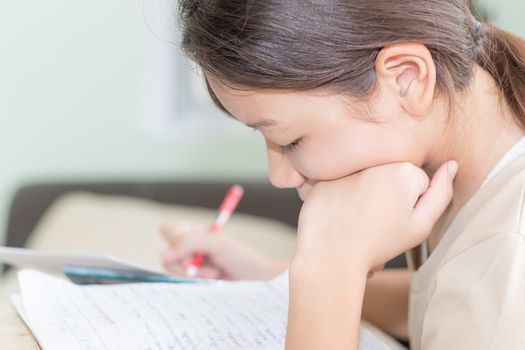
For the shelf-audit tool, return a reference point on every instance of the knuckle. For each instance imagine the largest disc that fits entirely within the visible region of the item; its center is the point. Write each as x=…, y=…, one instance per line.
x=402, y=172
x=405, y=169
x=421, y=231
x=419, y=178
x=424, y=228
x=409, y=179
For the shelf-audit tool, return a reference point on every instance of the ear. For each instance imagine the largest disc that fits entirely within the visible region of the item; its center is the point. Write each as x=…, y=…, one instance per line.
x=408, y=71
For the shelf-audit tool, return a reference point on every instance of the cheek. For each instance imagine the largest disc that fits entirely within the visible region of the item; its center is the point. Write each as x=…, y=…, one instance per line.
x=329, y=161
x=344, y=156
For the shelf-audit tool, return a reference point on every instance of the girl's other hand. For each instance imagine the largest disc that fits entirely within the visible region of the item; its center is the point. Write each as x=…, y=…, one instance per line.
x=227, y=258
x=372, y=216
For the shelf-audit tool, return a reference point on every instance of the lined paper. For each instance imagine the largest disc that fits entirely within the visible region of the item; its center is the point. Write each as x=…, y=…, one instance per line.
x=224, y=315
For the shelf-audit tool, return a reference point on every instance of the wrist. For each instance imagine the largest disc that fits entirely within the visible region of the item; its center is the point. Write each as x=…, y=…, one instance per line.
x=321, y=247
x=308, y=266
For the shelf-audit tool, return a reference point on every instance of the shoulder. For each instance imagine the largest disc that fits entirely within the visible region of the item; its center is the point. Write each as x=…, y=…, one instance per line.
x=498, y=211
x=477, y=301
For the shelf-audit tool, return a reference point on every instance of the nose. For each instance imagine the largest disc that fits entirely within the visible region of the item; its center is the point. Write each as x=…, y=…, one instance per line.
x=281, y=171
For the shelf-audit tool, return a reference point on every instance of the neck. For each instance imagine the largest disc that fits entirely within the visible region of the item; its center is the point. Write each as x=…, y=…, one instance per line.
x=477, y=136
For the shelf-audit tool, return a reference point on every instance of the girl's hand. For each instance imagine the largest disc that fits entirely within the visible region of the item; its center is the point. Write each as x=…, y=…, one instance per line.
x=227, y=258
x=372, y=216
x=346, y=228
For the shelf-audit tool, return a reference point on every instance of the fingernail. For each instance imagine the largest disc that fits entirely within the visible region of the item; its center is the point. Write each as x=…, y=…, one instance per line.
x=452, y=168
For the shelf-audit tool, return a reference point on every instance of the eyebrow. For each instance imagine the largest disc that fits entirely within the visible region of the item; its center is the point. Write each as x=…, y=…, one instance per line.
x=258, y=125
x=262, y=124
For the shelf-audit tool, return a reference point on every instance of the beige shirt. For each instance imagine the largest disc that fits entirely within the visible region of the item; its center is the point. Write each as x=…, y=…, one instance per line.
x=470, y=293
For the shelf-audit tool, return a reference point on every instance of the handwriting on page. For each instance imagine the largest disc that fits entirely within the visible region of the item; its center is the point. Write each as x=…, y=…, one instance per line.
x=226, y=315
x=242, y=315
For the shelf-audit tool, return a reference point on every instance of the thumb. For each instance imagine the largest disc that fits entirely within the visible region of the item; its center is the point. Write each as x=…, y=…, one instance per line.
x=173, y=232
x=436, y=198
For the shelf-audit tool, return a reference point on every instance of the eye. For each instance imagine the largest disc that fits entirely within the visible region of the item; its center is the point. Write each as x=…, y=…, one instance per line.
x=291, y=146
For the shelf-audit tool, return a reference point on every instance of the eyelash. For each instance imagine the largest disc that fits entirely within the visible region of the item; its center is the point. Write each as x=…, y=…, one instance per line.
x=292, y=146
x=288, y=148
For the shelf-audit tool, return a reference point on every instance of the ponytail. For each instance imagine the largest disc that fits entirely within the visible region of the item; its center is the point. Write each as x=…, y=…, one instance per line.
x=502, y=54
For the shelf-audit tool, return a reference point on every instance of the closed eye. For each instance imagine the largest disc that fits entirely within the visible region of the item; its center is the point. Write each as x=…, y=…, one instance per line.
x=291, y=146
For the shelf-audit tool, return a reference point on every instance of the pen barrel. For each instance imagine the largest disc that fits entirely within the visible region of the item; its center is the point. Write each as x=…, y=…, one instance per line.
x=232, y=199
x=226, y=209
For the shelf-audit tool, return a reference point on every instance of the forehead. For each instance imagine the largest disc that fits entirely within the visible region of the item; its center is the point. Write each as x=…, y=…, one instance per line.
x=271, y=103
x=239, y=101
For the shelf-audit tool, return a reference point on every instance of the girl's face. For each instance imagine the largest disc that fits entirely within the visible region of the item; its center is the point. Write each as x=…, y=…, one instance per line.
x=314, y=137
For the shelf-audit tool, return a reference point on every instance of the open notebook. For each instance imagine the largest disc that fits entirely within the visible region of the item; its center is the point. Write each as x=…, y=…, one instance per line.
x=222, y=315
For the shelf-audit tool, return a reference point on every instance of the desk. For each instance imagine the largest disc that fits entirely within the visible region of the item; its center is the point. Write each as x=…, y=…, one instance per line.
x=14, y=335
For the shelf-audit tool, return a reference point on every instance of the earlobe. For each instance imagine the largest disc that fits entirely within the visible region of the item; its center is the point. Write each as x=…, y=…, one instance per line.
x=408, y=71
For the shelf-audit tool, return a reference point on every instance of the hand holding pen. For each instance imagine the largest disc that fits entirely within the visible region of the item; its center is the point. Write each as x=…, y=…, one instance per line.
x=226, y=256
x=226, y=209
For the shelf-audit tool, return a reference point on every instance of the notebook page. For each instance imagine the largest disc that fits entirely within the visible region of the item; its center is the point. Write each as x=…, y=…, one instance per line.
x=226, y=315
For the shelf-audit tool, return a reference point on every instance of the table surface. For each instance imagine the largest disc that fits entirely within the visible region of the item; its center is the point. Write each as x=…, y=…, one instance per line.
x=14, y=335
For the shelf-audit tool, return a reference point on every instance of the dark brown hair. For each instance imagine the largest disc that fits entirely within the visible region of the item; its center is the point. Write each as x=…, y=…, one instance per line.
x=333, y=44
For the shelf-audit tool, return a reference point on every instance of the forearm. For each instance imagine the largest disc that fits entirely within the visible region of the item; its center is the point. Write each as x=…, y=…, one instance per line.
x=386, y=301
x=325, y=307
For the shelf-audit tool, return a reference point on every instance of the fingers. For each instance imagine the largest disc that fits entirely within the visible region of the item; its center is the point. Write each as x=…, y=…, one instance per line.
x=436, y=198
x=174, y=231
x=185, y=240
x=173, y=264
x=179, y=266
x=207, y=271
x=206, y=243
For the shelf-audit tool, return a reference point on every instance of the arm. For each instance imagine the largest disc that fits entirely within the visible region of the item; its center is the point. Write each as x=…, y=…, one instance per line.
x=348, y=227
x=325, y=306
x=386, y=301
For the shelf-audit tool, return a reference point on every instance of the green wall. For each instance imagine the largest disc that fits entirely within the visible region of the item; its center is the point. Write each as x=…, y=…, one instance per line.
x=507, y=14
x=70, y=79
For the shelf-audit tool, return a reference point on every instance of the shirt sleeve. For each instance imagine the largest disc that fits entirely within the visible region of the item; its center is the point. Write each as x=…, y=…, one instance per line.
x=479, y=299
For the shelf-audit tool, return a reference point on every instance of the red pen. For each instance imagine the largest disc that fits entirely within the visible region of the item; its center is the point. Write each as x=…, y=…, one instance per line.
x=228, y=205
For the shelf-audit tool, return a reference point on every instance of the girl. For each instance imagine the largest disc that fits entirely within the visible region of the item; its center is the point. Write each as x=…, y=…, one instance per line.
x=368, y=108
